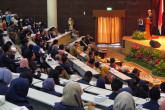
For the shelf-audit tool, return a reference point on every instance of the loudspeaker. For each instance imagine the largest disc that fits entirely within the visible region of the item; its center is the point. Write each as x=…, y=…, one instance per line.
x=155, y=44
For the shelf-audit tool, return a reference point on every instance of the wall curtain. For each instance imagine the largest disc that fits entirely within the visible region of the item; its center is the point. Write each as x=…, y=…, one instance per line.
x=109, y=30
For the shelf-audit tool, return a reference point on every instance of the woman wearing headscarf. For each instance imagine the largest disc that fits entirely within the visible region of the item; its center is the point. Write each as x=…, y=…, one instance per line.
x=30, y=29
x=18, y=91
x=104, y=74
x=5, y=79
x=37, y=52
x=162, y=106
x=123, y=101
x=24, y=66
x=47, y=37
x=71, y=99
x=48, y=87
x=100, y=83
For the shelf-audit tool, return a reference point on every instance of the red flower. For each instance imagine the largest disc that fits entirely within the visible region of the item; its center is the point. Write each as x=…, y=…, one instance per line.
x=136, y=47
x=149, y=57
x=157, y=61
x=163, y=53
x=139, y=55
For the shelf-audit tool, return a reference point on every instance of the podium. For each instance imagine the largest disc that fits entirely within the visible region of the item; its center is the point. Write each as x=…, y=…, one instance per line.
x=148, y=23
x=148, y=34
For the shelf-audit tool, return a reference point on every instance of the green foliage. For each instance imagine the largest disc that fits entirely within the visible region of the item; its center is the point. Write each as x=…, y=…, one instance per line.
x=151, y=60
x=138, y=35
x=159, y=69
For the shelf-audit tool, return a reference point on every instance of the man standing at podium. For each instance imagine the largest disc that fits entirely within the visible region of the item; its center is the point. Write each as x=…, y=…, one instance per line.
x=151, y=19
x=150, y=15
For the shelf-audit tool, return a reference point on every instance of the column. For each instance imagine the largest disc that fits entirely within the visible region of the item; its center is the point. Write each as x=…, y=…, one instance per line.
x=52, y=13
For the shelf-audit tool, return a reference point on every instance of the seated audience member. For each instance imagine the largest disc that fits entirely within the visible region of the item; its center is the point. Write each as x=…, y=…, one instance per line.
x=31, y=57
x=58, y=58
x=48, y=86
x=135, y=75
x=52, y=32
x=75, y=34
x=101, y=83
x=97, y=67
x=116, y=86
x=6, y=60
x=37, y=52
x=134, y=87
x=53, y=73
x=27, y=75
x=87, y=39
x=104, y=74
x=34, y=29
x=24, y=66
x=82, y=42
x=87, y=78
x=74, y=50
x=11, y=32
x=91, y=54
x=70, y=45
x=112, y=63
x=18, y=91
x=30, y=29
x=24, y=34
x=1, y=38
x=85, y=50
x=5, y=79
x=42, y=44
x=123, y=101
x=47, y=37
x=92, y=62
x=162, y=106
x=62, y=51
x=28, y=49
x=42, y=35
x=71, y=99
x=154, y=94
x=55, y=43
x=97, y=57
x=125, y=70
x=24, y=45
x=162, y=87
x=62, y=72
x=143, y=89
x=54, y=50
x=66, y=66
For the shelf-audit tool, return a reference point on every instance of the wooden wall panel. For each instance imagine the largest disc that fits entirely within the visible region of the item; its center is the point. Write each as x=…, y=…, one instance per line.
x=74, y=8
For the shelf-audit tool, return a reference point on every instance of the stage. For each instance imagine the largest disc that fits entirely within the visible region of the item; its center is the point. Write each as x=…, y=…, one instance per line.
x=128, y=42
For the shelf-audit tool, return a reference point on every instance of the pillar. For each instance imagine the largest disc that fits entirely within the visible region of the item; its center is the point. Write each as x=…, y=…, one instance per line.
x=52, y=13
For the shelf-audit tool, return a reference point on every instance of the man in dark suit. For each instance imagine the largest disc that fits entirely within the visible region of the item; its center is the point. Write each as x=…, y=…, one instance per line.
x=150, y=15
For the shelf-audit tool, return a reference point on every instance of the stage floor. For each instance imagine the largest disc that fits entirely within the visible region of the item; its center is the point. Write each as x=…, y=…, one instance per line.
x=128, y=43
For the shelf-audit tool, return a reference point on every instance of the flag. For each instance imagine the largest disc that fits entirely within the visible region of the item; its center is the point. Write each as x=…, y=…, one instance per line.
x=161, y=10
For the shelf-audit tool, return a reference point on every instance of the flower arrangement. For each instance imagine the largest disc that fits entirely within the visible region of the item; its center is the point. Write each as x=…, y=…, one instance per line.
x=153, y=60
x=138, y=35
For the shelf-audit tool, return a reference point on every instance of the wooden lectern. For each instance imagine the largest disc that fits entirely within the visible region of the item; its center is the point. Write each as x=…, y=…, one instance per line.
x=147, y=29
x=148, y=23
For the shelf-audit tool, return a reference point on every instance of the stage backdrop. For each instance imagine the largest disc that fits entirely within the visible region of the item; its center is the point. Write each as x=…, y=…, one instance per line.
x=109, y=29
x=109, y=26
